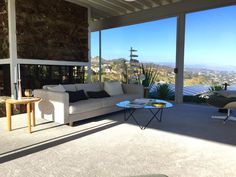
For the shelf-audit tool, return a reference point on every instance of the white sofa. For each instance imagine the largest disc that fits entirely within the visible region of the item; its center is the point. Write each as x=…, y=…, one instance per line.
x=55, y=106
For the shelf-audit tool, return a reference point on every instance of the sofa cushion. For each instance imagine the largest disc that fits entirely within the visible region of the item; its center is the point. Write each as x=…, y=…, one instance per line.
x=84, y=106
x=113, y=88
x=93, y=87
x=99, y=94
x=77, y=96
x=70, y=87
x=57, y=88
x=111, y=101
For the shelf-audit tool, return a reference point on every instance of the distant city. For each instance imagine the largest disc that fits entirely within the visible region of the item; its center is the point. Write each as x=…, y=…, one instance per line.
x=193, y=75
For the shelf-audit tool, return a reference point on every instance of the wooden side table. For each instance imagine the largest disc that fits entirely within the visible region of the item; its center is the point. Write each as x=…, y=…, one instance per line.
x=30, y=104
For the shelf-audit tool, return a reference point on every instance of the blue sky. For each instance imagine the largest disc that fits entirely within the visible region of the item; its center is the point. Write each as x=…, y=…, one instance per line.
x=210, y=39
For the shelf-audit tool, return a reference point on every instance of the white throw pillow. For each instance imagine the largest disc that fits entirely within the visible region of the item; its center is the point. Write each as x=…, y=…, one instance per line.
x=58, y=88
x=113, y=88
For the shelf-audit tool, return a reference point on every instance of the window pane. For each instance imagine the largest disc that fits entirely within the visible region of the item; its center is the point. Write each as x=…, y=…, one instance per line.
x=35, y=76
x=95, y=56
x=153, y=44
x=210, y=50
x=5, y=80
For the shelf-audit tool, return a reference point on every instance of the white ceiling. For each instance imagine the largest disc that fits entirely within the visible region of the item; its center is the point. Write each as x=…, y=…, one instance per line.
x=102, y=9
x=107, y=14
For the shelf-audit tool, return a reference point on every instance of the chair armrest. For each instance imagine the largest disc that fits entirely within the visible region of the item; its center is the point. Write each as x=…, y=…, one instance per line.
x=133, y=89
x=53, y=106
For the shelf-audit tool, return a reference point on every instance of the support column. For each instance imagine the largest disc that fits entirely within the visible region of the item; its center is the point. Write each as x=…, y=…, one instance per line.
x=12, y=41
x=89, y=45
x=179, y=70
x=100, y=56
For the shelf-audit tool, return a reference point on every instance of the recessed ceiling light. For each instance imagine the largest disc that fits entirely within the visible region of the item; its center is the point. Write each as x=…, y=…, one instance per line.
x=129, y=0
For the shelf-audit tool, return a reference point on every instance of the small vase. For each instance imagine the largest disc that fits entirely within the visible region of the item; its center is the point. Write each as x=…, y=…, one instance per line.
x=19, y=90
x=28, y=93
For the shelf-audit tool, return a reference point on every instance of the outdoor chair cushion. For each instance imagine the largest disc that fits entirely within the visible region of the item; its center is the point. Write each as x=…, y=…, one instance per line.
x=219, y=100
x=227, y=93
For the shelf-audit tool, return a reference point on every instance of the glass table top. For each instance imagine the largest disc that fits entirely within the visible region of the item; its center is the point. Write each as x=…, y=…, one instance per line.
x=146, y=104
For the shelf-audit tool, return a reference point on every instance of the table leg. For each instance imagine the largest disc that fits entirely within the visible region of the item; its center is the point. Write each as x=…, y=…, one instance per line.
x=8, y=111
x=154, y=115
x=130, y=113
x=29, y=117
x=33, y=113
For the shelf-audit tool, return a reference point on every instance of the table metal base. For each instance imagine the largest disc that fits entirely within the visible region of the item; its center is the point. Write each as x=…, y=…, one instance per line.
x=129, y=112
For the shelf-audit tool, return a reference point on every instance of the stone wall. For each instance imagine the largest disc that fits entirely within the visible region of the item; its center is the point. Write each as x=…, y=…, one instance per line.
x=51, y=30
x=4, y=44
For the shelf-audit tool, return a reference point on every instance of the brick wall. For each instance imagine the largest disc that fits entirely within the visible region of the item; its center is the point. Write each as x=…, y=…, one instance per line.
x=4, y=44
x=52, y=30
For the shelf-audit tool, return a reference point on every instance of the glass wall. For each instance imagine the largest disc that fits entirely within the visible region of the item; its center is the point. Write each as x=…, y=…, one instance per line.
x=35, y=76
x=129, y=51
x=5, y=87
x=210, y=51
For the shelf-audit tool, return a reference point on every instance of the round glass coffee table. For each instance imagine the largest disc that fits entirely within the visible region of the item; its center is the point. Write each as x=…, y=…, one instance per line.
x=155, y=106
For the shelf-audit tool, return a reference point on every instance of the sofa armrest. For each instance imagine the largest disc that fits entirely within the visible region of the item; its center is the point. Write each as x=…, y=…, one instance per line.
x=133, y=89
x=54, y=106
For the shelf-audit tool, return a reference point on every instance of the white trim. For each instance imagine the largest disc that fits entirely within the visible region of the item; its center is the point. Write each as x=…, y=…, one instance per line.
x=180, y=40
x=100, y=55
x=89, y=46
x=12, y=41
x=5, y=61
x=51, y=62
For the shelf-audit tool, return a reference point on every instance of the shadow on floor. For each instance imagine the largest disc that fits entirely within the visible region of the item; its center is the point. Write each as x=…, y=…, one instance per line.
x=20, y=152
x=189, y=120
x=38, y=124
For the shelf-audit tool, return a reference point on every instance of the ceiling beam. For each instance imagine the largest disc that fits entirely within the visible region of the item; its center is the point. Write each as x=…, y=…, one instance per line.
x=108, y=5
x=96, y=14
x=165, y=2
x=117, y=4
x=146, y=3
x=137, y=4
x=156, y=13
x=98, y=6
x=154, y=3
x=130, y=4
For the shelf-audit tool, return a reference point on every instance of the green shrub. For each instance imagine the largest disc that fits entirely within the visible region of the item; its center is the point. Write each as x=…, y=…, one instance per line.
x=216, y=88
x=150, y=76
x=162, y=91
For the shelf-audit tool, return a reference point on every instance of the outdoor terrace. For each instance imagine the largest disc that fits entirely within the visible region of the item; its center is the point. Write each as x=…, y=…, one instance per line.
x=186, y=143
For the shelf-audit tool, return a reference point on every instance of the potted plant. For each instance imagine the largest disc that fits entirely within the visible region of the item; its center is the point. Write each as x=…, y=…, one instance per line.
x=147, y=78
